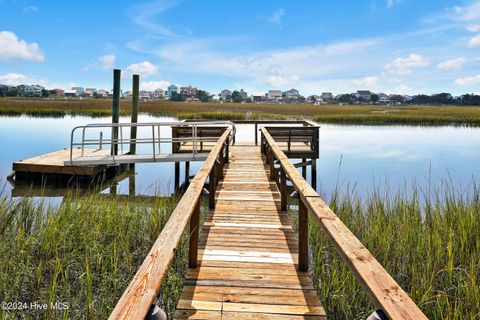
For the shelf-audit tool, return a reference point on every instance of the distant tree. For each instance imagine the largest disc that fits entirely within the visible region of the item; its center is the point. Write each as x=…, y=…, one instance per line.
x=347, y=98
x=203, y=96
x=45, y=93
x=301, y=99
x=374, y=98
x=397, y=99
x=177, y=97
x=441, y=98
x=236, y=96
x=421, y=99
x=13, y=92
x=249, y=100
x=469, y=99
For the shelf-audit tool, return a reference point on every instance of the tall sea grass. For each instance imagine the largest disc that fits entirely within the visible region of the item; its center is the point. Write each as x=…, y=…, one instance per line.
x=83, y=253
x=428, y=240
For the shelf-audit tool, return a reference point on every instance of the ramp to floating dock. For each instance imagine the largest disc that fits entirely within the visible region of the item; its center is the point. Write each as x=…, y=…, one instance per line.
x=248, y=252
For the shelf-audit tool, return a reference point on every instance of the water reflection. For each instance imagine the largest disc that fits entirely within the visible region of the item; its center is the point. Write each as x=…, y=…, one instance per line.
x=369, y=155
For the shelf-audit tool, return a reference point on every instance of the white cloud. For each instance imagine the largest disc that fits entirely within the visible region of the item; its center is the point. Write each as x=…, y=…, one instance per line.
x=282, y=80
x=474, y=41
x=453, y=64
x=15, y=79
x=153, y=85
x=473, y=28
x=366, y=82
x=146, y=16
x=12, y=48
x=30, y=9
x=403, y=66
x=389, y=3
x=469, y=81
x=145, y=69
x=277, y=16
x=469, y=12
x=107, y=61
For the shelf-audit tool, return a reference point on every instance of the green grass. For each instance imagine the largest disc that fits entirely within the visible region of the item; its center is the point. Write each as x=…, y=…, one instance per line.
x=347, y=114
x=84, y=252
x=428, y=241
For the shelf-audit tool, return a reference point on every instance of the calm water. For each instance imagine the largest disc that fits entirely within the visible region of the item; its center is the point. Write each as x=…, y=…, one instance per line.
x=361, y=155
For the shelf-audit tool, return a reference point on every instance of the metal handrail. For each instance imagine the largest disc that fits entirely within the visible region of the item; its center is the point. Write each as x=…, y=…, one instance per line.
x=153, y=140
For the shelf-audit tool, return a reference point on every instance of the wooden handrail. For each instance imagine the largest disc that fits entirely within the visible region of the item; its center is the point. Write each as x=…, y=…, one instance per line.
x=142, y=290
x=383, y=290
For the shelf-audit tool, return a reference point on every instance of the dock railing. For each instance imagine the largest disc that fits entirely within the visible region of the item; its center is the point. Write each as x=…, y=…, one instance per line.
x=139, y=297
x=155, y=139
x=384, y=292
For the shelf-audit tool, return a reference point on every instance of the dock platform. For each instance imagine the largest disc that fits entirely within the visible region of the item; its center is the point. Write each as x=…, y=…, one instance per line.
x=51, y=167
x=248, y=252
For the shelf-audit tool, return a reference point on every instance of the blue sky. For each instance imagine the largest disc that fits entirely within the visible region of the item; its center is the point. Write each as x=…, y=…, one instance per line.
x=393, y=46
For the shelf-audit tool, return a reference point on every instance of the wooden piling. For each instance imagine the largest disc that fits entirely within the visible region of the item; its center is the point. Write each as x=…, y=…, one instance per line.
x=134, y=119
x=283, y=190
x=304, y=169
x=115, y=109
x=177, y=175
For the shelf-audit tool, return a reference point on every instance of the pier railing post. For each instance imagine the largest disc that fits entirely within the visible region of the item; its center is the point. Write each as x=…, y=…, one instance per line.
x=211, y=186
x=115, y=109
x=283, y=189
x=134, y=119
x=271, y=162
x=256, y=133
x=302, y=236
x=193, y=245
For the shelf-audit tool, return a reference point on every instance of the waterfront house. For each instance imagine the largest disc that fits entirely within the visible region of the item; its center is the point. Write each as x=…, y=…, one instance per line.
x=225, y=95
x=171, y=89
x=275, y=95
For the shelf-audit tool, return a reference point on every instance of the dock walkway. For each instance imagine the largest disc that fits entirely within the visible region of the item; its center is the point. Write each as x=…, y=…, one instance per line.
x=248, y=252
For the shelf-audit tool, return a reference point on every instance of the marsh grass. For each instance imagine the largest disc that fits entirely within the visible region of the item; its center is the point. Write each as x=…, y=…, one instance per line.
x=346, y=114
x=428, y=240
x=83, y=252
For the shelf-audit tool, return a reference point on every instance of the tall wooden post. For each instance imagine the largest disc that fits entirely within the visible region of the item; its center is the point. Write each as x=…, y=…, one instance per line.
x=314, y=174
x=283, y=190
x=115, y=109
x=187, y=173
x=177, y=175
x=302, y=236
x=134, y=119
x=194, y=225
x=304, y=169
x=212, y=187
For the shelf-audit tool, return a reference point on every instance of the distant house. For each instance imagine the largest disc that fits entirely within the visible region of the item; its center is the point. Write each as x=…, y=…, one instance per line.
x=30, y=90
x=274, y=95
x=364, y=94
x=101, y=94
x=291, y=94
x=79, y=90
x=258, y=96
x=159, y=93
x=127, y=94
x=145, y=95
x=59, y=92
x=313, y=98
x=70, y=93
x=188, y=92
x=225, y=95
x=383, y=98
x=171, y=89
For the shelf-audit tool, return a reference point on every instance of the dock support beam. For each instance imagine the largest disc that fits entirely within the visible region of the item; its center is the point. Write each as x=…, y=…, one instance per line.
x=194, y=226
x=304, y=169
x=115, y=109
x=134, y=119
x=187, y=173
x=302, y=236
x=212, y=187
x=177, y=175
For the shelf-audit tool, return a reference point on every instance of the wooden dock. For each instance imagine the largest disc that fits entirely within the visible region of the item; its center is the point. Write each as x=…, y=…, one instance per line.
x=246, y=262
x=248, y=252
